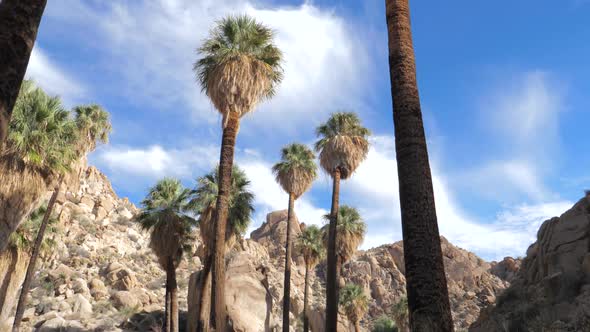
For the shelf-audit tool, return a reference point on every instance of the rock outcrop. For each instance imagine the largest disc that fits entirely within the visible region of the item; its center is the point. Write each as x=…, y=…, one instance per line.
x=551, y=290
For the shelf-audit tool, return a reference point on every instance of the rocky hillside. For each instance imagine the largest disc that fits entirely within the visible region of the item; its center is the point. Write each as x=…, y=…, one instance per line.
x=102, y=276
x=551, y=291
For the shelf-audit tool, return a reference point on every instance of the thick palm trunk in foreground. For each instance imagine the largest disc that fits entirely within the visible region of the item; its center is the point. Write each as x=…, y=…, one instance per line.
x=428, y=300
x=22, y=300
x=287, y=280
x=332, y=277
x=305, y=300
x=226, y=160
x=19, y=22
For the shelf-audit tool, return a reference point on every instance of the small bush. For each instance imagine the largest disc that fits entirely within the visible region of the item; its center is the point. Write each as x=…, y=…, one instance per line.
x=384, y=324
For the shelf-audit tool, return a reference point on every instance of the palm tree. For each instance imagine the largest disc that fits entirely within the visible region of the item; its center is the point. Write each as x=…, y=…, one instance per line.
x=343, y=145
x=400, y=314
x=350, y=234
x=355, y=304
x=93, y=124
x=428, y=298
x=239, y=67
x=40, y=146
x=203, y=202
x=19, y=22
x=295, y=173
x=164, y=216
x=310, y=245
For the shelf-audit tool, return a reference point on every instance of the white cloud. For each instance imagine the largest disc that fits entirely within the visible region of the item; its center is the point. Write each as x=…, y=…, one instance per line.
x=52, y=78
x=152, y=44
x=374, y=189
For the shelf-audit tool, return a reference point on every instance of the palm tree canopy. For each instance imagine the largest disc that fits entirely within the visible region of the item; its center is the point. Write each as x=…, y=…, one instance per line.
x=354, y=302
x=26, y=233
x=42, y=132
x=351, y=231
x=164, y=215
x=297, y=169
x=239, y=65
x=343, y=143
x=311, y=245
x=241, y=200
x=93, y=123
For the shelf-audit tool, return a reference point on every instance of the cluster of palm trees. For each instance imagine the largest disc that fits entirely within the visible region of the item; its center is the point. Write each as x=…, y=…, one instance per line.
x=240, y=66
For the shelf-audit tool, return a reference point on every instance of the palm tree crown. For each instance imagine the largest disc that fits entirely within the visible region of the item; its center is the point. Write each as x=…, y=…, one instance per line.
x=354, y=302
x=296, y=170
x=93, y=123
x=240, y=64
x=351, y=231
x=343, y=143
x=164, y=215
x=41, y=132
x=310, y=244
x=241, y=200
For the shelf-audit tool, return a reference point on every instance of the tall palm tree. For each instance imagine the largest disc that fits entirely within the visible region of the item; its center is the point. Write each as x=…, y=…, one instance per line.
x=342, y=146
x=239, y=67
x=309, y=244
x=40, y=146
x=164, y=215
x=94, y=125
x=19, y=22
x=428, y=298
x=355, y=304
x=350, y=234
x=295, y=173
x=203, y=202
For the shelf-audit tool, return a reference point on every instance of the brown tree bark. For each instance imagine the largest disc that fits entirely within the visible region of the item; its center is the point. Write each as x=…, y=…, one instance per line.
x=357, y=326
x=167, y=309
x=19, y=22
x=172, y=290
x=22, y=300
x=305, y=300
x=428, y=300
x=287, y=280
x=204, y=302
x=332, y=286
x=226, y=160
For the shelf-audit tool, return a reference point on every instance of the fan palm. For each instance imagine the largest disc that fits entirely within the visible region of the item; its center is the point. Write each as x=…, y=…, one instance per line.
x=428, y=297
x=342, y=146
x=355, y=304
x=239, y=67
x=164, y=216
x=41, y=144
x=310, y=245
x=203, y=203
x=350, y=234
x=19, y=22
x=93, y=124
x=295, y=173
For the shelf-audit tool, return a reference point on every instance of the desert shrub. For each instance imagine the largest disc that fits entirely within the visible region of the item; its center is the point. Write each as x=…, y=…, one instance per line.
x=384, y=324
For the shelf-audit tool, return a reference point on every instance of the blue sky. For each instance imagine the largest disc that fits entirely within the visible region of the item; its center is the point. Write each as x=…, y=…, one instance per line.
x=502, y=85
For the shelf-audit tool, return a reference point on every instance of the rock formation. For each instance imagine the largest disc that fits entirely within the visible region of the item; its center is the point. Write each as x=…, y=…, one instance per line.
x=551, y=290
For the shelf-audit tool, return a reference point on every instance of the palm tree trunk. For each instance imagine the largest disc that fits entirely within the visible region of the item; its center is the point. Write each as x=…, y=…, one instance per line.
x=305, y=300
x=332, y=277
x=19, y=22
x=287, y=280
x=22, y=300
x=204, y=303
x=167, y=308
x=357, y=326
x=172, y=290
x=226, y=160
x=428, y=300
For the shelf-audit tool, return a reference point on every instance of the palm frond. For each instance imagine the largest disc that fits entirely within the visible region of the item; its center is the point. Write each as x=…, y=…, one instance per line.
x=297, y=169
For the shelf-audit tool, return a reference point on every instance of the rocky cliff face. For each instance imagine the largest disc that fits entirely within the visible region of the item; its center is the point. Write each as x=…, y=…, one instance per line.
x=551, y=290
x=102, y=275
